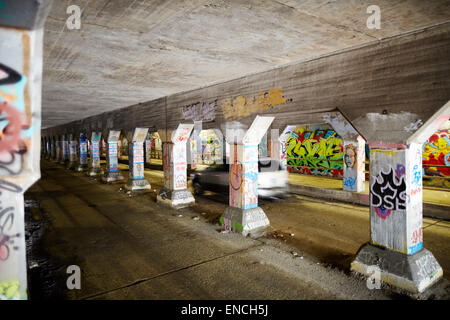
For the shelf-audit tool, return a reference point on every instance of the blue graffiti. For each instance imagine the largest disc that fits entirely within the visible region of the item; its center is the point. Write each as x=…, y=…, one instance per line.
x=417, y=179
x=350, y=182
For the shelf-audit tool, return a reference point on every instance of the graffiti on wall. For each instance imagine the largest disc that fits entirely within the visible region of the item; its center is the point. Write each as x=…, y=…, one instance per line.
x=250, y=185
x=179, y=166
x=236, y=178
x=317, y=151
x=388, y=192
x=83, y=149
x=113, y=157
x=205, y=111
x=12, y=120
x=241, y=106
x=137, y=161
x=436, y=151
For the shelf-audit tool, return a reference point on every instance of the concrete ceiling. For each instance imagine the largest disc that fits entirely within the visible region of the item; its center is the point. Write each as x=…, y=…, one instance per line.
x=131, y=51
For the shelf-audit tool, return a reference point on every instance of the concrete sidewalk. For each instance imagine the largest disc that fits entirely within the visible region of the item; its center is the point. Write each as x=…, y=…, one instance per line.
x=436, y=202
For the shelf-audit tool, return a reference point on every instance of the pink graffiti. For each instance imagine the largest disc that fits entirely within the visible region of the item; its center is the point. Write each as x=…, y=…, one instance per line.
x=10, y=136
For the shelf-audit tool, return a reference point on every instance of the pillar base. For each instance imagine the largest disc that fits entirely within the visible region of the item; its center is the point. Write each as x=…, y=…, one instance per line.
x=175, y=198
x=137, y=184
x=95, y=172
x=71, y=165
x=245, y=221
x=111, y=177
x=82, y=167
x=413, y=273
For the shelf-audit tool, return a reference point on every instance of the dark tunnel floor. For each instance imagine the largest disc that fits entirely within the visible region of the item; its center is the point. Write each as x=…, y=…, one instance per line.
x=129, y=247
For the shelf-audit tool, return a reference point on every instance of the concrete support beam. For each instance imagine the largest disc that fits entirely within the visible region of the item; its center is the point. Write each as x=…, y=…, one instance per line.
x=279, y=147
x=95, y=169
x=71, y=165
x=136, y=180
x=396, y=245
x=243, y=214
x=48, y=148
x=58, y=151
x=175, y=192
x=354, y=165
x=20, y=106
x=148, y=148
x=112, y=173
x=53, y=149
x=65, y=149
x=83, y=148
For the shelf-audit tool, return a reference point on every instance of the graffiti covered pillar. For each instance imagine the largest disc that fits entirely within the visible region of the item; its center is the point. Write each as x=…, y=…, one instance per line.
x=354, y=165
x=58, y=152
x=71, y=165
x=279, y=147
x=53, y=148
x=148, y=148
x=243, y=214
x=20, y=107
x=136, y=180
x=175, y=192
x=65, y=149
x=48, y=148
x=396, y=221
x=112, y=173
x=83, y=148
x=96, y=168
x=396, y=204
x=353, y=149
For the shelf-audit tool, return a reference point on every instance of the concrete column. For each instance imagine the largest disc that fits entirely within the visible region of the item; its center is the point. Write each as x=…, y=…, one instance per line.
x=396, y=245
x=96, y=168
x=243, y=214
x=280, y=148
x=71, y=165
x=48, y=148
x=53, y=149
x=148, y=149
x=43, y=149
x=83, y=148
x=136, y=180
x=112, y=159
x=20, y=104
x=354, y=157
x=354, y=152
x=175, y=192
x=65, y=149
x=58, y=152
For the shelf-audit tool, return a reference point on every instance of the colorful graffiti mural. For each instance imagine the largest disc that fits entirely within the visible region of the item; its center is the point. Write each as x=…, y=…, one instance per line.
x=316, y=150
x=436, y=151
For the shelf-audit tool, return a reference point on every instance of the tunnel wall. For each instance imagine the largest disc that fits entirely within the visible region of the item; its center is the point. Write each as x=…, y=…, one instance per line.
x=398, y=79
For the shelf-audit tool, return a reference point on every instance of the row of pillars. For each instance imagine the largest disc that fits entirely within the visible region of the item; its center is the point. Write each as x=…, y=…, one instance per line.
x=396, y=244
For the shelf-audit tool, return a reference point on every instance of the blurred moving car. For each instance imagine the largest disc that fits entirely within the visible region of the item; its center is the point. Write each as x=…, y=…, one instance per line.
x=272, y=179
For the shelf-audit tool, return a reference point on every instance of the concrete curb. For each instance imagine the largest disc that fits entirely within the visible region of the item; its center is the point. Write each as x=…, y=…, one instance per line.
x=429, y=209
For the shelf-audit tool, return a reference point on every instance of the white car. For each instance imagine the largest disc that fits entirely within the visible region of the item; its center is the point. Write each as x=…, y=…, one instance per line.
x=272, y=179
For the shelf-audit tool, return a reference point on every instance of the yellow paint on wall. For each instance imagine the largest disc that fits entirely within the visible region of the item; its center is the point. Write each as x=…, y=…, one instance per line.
x=242, y=106
x=388, y=152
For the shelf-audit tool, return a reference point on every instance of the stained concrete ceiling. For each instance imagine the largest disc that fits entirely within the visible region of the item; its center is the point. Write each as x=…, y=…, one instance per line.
x=131, y=51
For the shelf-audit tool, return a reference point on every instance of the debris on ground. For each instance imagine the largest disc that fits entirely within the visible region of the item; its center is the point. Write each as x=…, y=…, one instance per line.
x=196, y=218
x=33, y=265
x=294, y=253
x=291, y=234
x=225, y=231
x=177, y=215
